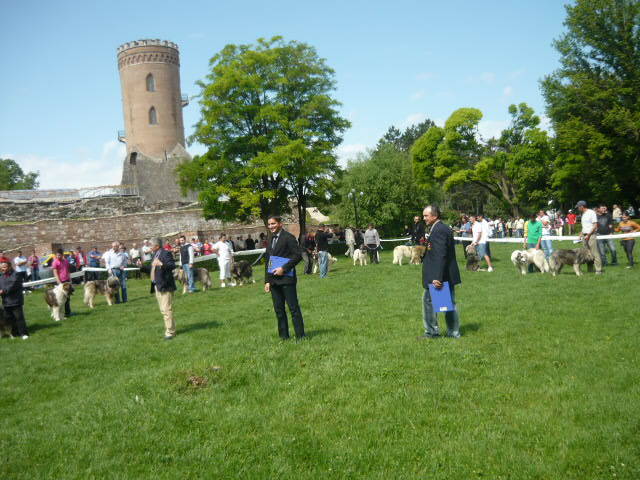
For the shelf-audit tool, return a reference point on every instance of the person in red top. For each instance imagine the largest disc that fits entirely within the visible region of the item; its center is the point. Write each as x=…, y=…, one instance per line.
x=61, y=271
x=571, y=221
x=168, y=247
x=206, y=248
x=81, y=258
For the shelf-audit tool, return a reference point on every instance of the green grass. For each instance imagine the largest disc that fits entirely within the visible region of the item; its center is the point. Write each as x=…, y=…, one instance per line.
x=542, y=385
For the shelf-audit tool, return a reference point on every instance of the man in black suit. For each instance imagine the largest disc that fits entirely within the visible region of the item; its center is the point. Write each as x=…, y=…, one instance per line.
x=439, y=266
x=282, y=286
x=163, y=285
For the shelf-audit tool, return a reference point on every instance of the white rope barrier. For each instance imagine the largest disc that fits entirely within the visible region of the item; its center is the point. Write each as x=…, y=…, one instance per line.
x=573, y=238
x=44, y=281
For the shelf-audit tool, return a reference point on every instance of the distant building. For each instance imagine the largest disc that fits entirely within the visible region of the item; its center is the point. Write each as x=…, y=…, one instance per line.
x=154, y=130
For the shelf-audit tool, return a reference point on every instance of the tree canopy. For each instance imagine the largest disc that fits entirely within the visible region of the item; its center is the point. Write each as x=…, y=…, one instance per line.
x=593, y=101
x=513, y=168
x=270, y=126
x=12, y=177
x=390, y=197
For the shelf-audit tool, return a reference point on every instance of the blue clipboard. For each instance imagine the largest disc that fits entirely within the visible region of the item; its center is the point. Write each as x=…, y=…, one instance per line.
x=441, y=299
x=277, y=262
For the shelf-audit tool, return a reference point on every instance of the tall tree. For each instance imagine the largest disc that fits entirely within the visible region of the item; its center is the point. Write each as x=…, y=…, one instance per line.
x=403, y=141
x=12, y=177
x=513, y=169
x=390, y=197
x=270, y=126
x=593, y=101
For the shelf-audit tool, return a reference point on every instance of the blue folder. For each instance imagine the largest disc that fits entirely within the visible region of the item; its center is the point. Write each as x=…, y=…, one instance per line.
x=441, y=299
x=277, y=262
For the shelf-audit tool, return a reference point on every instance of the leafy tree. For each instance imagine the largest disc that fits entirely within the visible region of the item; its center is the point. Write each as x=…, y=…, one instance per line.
x=593, y=100
x=12, y=177
x=404, y=140
x=513, y=169
x=270, y=126
x=390, y=197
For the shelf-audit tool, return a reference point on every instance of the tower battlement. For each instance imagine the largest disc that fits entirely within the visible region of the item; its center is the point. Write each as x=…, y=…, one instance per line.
x=147, y=42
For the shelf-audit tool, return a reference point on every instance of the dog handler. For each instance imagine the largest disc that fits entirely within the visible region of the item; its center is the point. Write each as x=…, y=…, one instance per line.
x=12, y=298
x=163, y=285
x=225, y=259
x=438, y=266
x=589, y=234
x=281, y=282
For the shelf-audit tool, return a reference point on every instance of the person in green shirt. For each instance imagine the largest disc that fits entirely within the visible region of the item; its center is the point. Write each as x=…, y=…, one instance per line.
x=534, y=236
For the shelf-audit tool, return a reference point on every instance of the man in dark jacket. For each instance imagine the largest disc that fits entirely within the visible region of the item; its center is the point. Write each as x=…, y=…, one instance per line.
x=12, y=298
x=417, y=231
x=282, y=255
x=439, y=266
x=163, y=285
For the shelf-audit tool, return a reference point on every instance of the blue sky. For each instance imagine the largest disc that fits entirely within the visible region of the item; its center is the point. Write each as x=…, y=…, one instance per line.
x=396, y=63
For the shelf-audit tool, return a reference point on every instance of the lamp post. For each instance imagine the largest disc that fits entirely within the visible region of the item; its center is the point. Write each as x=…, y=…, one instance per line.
x=352, y=195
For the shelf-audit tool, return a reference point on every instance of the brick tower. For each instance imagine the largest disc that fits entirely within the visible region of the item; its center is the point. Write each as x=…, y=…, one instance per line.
x=154, y=131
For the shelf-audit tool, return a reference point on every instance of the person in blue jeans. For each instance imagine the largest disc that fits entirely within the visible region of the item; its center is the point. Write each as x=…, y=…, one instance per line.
x=322, y=244
x=116, y=260
x=186, y=261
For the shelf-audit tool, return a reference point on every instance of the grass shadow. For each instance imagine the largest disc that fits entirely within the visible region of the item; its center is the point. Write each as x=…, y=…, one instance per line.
x=199, y=326
x=41, y=326
x=322, y=331
x=469, y=327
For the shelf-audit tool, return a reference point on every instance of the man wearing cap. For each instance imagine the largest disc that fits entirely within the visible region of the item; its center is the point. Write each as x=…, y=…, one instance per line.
x=589, y=233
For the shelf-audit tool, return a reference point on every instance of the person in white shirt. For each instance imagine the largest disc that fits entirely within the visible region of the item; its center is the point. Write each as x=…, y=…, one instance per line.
x=520, y=227
x=134, y=256
x=21, y=268
x=350, y=239
x=546, y=233
x=146, y=251
x=225, y=259
x=115, y=261
x=480, y=233
x=589, y=233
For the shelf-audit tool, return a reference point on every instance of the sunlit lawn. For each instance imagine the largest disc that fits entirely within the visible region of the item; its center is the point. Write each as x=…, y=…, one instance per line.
x=543, y=384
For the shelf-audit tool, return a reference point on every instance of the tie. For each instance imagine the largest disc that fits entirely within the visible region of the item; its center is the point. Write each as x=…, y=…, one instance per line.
x=273, y=242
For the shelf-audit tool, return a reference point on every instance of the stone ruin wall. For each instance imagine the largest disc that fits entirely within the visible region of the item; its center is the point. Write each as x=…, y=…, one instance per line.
x=55, y=231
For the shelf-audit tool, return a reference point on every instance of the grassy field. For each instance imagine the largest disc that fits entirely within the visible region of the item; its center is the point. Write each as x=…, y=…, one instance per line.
x=544, y=383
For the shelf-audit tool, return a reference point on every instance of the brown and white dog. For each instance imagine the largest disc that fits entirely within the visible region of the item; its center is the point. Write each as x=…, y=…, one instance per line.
x=523, y=258
x=108, y=288
x=575, y=257
x=473, y=260
x=242, y=272
x=360, y=255
x=400, y=252
x=56, y=298
x=200, y=275
x=417, y=252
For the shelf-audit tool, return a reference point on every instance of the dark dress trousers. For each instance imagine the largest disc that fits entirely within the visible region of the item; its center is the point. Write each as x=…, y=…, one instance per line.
x=283, y=288
x=12, y=301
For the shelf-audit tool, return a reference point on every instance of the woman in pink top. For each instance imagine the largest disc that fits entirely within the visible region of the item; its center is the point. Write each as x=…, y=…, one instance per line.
x=60, y=267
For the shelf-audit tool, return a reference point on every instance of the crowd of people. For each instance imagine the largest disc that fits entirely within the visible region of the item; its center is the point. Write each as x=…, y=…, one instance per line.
x=536, y=232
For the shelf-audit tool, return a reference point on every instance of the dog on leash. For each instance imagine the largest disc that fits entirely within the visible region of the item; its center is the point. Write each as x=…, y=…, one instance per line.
x=417, y=252
x=473, y=260
x=575, y=257
x=108, y=288
x=200, y=275
x=523, y=258
x=316, y=262
x=400, y=252
x=242, y=272
x=360, y=255
x=56, y=298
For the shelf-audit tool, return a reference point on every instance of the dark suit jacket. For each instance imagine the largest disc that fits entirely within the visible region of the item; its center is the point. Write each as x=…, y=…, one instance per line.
x=163, y=276
x=287, y=246
x=439, y=261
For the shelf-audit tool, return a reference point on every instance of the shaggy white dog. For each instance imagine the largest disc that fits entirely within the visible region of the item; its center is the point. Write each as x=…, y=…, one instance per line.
x=360, y=255
x=400, y=252
x=56, y=298
x=523, y=258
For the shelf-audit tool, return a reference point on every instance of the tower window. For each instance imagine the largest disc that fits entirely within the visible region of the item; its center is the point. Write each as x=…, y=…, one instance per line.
x=153, y=116
x=133, y=157
x=151, y=83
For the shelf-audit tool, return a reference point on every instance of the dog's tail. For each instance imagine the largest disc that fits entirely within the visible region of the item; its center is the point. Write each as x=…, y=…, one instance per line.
x=89, y=291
